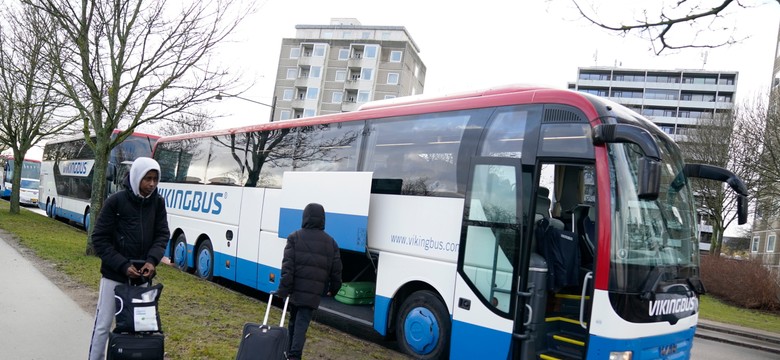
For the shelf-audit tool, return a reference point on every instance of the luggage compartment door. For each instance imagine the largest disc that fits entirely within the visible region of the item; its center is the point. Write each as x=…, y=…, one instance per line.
x=344, y=195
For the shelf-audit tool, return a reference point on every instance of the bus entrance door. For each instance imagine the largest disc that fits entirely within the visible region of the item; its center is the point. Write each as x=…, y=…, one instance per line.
x=487, y=263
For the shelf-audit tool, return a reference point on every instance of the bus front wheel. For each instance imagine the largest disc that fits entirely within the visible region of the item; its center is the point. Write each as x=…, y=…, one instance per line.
x=179, y=252
x=423, y=326
x=204, y=261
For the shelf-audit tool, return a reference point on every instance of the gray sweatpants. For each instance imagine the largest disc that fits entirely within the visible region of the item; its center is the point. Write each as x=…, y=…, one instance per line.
x=104, y=317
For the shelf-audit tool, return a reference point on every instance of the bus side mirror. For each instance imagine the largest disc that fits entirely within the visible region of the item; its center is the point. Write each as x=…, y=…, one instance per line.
x=742, y=209
x=111, y=173
x=649, y=181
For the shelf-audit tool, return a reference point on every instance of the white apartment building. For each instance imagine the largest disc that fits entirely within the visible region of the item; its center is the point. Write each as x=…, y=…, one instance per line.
x=335, y=68
x=673, y=99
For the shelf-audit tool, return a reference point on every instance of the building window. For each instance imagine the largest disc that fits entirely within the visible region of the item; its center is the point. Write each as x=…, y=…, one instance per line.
x=366, y=74
x=327, y=34
x=770, y=243
x=416, y=70
x=365, y=35
x=363, y=96
x=295, y=53
x=319, y=50
x=343, y=54
x=315, y=71
x=389, y=97
x=308, y=112
x=386, y=35
x=338, y=96
x=312, y=93
x=754, y=246
x=370, y=51
x=292, y=73
x=284, y=115
x=395, y=56
x=594, y=76
x=346, y=35
x=392, y=79
x=341, y=75
x=661, y=94
x=597, y=92
x=287, y=95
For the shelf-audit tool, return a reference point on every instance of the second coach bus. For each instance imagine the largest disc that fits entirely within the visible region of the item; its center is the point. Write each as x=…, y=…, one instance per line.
x=67, y=172
x=517, y=222
x=31, y=171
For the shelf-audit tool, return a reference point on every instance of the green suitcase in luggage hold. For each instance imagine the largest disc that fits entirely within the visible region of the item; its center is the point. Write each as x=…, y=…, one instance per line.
x=356, y=293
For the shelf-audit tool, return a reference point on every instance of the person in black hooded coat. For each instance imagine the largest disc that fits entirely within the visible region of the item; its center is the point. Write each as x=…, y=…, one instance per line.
x=311, y=266
x=132, y=225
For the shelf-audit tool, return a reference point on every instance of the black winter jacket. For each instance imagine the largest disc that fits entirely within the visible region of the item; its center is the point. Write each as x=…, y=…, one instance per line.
x=130, y=227
x=312, y=262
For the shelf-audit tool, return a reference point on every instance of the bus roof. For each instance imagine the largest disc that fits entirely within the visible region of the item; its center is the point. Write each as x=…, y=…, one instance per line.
x=116, y=131
x=11, y=157
x=497, y=96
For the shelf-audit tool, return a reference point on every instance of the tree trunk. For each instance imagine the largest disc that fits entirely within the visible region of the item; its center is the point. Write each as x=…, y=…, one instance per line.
x=16, y=181
x=102, y=152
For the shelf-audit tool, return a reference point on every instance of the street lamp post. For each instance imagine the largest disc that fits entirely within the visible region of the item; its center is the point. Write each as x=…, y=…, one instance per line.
x=219, y=96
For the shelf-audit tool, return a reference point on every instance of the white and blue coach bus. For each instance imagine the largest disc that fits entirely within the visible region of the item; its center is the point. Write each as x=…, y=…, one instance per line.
x=517, y=222
x=67, y=172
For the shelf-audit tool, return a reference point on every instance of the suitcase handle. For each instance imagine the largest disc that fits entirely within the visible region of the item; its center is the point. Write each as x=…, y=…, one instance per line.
x=267, y=309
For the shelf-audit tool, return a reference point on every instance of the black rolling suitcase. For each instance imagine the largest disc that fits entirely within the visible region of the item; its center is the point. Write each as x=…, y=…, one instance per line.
x=136, y=346
x=263, y=341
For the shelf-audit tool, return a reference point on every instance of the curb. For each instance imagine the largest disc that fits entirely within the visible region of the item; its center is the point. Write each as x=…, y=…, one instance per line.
x=748, y=339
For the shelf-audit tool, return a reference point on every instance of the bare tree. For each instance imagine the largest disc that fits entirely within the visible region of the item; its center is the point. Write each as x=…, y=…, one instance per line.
x=764, y=120
x=185, y=123
x=720, y=141
x=683, y=24
x=29, y=100
x=137, y=62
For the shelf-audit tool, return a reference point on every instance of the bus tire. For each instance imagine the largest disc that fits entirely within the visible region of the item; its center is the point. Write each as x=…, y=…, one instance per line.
x=87, y=220
x=423, y=326
x=204, y=261
x=179, y=252
x=53, y=209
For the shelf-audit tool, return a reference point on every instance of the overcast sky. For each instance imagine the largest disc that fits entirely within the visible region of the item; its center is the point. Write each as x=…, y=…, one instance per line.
x=528, y=42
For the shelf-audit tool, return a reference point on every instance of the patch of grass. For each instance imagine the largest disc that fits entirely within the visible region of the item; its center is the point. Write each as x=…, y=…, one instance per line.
x=201, y=320
x=716, y=310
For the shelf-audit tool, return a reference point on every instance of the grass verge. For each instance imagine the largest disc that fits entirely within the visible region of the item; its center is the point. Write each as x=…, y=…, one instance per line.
x=713, y=309
x=201, y=320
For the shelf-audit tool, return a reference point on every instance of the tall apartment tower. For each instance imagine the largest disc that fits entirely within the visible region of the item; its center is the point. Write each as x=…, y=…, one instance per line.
x=673, y=99
x=335, y=68
x=766, y=228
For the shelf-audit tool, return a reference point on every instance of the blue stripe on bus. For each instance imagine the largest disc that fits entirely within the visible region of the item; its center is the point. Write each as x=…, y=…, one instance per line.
x=493, y=344
x=381, y=313
x=348, y=230
x=667, y=346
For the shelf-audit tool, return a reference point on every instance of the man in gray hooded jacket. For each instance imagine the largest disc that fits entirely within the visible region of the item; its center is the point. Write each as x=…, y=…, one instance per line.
x=132, y=225
x=310, y=267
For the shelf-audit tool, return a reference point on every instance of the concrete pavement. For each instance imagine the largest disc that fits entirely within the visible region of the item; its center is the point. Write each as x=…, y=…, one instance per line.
x=38, y=320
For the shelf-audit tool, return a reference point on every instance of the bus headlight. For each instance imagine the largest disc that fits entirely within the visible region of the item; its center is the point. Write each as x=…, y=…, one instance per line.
x=620, y=355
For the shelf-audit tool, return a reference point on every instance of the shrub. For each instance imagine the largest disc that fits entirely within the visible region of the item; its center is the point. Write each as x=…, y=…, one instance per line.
x=746, y=283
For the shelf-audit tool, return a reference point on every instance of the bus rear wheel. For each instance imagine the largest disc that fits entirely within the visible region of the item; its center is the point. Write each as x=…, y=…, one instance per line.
x=50, y=209
x=204, y=261
x=423, y=326
x=179, y=252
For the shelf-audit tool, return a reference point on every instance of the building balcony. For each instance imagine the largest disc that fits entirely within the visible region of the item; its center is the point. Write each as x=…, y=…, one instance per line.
x=305, y=81
x=662, y=102
x=349, y=106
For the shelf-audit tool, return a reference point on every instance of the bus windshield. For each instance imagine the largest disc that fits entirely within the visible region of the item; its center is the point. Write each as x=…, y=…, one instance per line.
x=650, y=236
